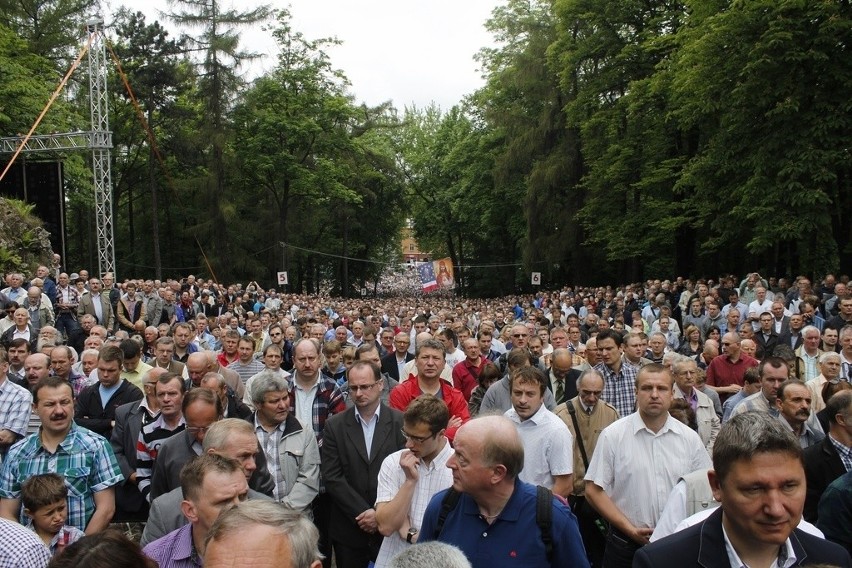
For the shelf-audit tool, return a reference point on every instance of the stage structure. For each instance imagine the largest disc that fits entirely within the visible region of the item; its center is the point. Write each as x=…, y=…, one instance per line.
x=98, y=140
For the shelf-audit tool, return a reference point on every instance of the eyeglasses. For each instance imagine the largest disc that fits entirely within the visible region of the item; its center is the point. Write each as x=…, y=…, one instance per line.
x=416, y=439
x=365, y=388
x=520, y=335
x=275, y=335
x=197, y=430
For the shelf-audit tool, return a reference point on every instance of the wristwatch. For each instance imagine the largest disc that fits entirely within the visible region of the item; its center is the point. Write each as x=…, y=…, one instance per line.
x=412, y=532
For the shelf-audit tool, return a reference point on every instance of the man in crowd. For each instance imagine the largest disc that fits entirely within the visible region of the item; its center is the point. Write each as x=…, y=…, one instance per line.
x=794, y=408
x=644, y=453
x=268, y=533
x=410, y=477
x=210, y=483
x=619, y=379
x=170, y=391
x=96, y=404
x=758, y=478
x=290, y=447
x=586, y=416
x=832, y=457
x=87, y=461
x=725, y=372
x=773, y=372
x=429, y=359
x=492, y=502
x=466, y=372
x=355, y=444
x=685, y=371
x=548, y=444
x=394, y=362
x=15, y=404
x=246, y=366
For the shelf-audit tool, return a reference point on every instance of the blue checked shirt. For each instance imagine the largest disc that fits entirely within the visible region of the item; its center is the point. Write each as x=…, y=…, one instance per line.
x=84, y=459
x=15, y=405
x=845, y=453
x=619, y=388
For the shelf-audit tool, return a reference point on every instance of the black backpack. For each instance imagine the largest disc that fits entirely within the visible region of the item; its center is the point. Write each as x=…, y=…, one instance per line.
x=543, y=515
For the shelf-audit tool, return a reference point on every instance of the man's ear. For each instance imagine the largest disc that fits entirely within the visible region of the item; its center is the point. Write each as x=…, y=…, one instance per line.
x=715, y=485
x=188, y=510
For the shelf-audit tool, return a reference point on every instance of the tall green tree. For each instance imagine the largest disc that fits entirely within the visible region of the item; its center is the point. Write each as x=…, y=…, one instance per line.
x=218, y=42
x=53, y=29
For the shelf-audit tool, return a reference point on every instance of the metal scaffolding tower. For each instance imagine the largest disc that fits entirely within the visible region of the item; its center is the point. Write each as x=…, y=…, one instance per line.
x=99, y=139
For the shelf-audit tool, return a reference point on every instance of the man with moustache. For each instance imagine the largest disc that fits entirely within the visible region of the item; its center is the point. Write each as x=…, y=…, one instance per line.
x=84, y=458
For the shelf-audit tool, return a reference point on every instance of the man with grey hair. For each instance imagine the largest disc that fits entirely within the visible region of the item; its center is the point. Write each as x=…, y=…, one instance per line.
x=808, y=353
x=231, y=406
x=232, y=438
x=759, y=480
x=829, y=366
x=429, y=555
x=270, y=535
x=290, y=448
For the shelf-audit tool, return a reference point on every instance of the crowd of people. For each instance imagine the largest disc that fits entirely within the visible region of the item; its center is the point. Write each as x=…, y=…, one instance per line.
x=585, y=426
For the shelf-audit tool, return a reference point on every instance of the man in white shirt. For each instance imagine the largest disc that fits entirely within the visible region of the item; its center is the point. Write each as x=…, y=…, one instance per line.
x=643, y=454
x=548, y=444
x=409, y=478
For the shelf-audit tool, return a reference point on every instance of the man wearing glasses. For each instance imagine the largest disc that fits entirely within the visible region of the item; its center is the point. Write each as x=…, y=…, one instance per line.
x=410, y=477
x=725, y=373
x=355, y=443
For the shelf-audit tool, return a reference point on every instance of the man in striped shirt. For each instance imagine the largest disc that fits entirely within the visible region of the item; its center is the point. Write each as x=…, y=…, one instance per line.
x=170, y=389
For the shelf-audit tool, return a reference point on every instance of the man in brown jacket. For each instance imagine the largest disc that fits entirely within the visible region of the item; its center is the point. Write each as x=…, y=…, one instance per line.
x=586, y=415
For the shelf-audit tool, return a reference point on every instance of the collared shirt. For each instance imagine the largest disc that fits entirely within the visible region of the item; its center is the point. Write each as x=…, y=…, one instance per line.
x=66, y=535
x=631, y=460
x=135, y=376
x=786, y=554
x=247, y=370
x=270, y=441
x=21, y=548
x=692, y=399
x=98, y=307
x=619, y=388
x=807, y=437
x=811, y=370
x=368, y=428
x=326, y=401
x=304, y=400
x=548, y=446
x=175, y=550
x=431, y=478
x=15, y=406
x=83, y=458
x=755, y=403
x=845, y=452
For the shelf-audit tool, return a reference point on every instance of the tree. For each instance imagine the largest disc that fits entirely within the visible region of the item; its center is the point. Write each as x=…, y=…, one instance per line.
x=52, y=28
x=218, y=83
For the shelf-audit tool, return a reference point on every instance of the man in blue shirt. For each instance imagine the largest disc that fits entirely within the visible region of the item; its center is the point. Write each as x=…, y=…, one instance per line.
x=494, y=522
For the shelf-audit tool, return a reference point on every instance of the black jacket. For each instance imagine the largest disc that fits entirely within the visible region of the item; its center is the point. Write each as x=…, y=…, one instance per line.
x=89, y=413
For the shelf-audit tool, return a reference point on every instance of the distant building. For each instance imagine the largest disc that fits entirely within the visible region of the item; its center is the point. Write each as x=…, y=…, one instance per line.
x=410, y=250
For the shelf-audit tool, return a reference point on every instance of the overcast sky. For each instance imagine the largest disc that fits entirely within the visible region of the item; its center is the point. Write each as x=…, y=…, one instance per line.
x=410, y=52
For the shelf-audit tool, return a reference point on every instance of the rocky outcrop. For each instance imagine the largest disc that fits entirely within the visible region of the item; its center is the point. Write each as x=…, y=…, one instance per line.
x=24, y=243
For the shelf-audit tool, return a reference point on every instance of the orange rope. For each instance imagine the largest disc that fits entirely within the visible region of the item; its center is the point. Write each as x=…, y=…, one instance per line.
x=58, y=90
x=154, y=147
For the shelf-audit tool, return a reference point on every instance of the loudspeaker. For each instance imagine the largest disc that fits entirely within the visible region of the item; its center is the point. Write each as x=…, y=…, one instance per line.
x=40, y=183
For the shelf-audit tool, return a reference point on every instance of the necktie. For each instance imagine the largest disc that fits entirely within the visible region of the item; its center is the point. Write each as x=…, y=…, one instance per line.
x=560, y=390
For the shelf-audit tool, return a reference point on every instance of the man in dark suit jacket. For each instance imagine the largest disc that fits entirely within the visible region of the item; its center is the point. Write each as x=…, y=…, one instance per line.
x=561, y=370
x=389, y=361
x=765, y=337
x=350, y=470
x=822, y=462
x=793, y=335
x=762, y=493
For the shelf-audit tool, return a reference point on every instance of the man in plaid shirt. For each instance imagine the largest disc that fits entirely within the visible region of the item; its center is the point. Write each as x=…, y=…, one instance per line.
x=83, y=458
x=15, y=404
x=313, y=398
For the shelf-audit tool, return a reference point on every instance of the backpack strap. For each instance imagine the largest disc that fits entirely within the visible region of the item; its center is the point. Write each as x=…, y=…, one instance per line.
x=448, y=503
x=544, y=518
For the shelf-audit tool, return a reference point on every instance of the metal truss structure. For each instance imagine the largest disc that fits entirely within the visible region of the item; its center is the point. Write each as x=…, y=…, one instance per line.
x=98, y=139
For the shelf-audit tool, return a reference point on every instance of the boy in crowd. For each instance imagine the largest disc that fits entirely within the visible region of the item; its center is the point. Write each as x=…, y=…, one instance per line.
x=45, y=503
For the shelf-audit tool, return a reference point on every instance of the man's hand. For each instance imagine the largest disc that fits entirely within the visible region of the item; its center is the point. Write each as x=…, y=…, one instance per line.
x=367, y=521
x=734, y=389
x=641, y=536
x=408, y=462
x=454, y=422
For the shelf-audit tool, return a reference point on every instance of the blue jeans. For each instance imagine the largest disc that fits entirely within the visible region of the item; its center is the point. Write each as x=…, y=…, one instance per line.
x=66, y=322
